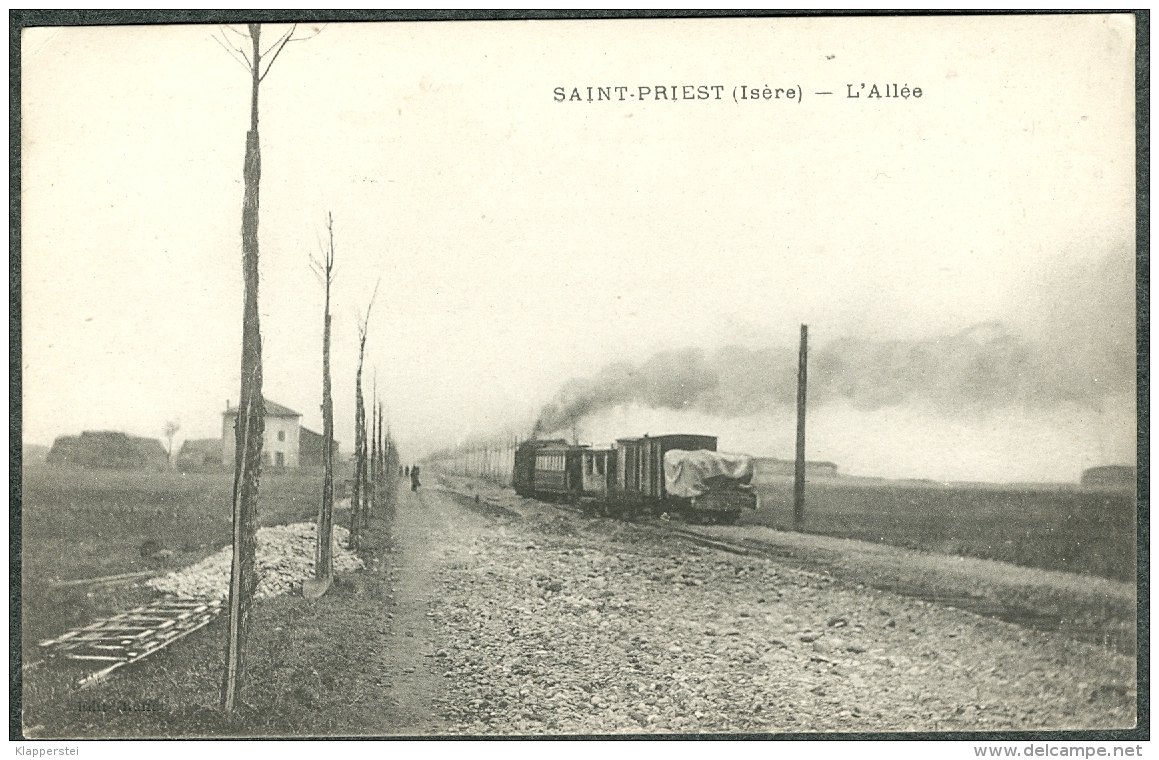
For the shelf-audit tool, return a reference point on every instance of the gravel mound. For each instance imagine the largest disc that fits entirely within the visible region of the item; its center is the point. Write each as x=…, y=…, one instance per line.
x=285, y=558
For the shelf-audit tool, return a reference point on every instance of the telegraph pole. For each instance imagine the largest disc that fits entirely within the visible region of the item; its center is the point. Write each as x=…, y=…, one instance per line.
x=799, y=470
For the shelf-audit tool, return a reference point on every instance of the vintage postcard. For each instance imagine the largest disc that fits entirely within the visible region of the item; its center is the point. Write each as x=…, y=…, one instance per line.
x=618, y=377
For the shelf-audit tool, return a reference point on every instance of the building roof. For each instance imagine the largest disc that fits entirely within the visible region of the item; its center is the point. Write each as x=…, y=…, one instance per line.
x=273, y=409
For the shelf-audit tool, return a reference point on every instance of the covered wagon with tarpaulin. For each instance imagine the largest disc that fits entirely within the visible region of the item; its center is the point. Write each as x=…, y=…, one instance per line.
x=709, y=486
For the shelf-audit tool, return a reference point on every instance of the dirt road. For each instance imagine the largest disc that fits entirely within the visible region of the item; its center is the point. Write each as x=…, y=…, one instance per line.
x=429, y=529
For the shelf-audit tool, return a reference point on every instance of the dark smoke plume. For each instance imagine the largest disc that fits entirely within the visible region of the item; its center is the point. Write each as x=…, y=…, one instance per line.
x=983, y=368
x=671, y=380
x=1069, y=341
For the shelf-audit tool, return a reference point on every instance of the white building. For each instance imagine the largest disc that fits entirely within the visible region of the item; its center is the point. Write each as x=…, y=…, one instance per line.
x=280, y=444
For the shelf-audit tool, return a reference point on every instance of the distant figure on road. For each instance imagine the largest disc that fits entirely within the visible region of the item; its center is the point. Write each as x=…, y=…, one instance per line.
x=407, y=469
x=400, y=469
x=414, y=478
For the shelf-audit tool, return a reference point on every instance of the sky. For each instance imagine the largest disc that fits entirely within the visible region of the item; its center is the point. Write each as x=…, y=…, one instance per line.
x=964, y=260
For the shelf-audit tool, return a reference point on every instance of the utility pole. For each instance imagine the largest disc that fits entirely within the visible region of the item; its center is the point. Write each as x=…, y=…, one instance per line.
x=799, y=470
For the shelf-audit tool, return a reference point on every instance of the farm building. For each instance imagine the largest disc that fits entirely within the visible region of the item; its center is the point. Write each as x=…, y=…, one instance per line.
x=33, y=454
x=200, y=454
x=1109, y=476
x=105, y=449
x=772, y=467
x=285, y=443
x=310, y=448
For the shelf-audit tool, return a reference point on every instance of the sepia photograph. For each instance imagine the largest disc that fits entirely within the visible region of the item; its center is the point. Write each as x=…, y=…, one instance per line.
x=532, y=376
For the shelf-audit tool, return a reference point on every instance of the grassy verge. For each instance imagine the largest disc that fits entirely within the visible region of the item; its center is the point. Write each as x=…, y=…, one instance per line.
x=1085, y=607
x=311, y=664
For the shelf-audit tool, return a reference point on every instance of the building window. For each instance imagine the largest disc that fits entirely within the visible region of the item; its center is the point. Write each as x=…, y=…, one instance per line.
x=281, y=458
x=281, y=435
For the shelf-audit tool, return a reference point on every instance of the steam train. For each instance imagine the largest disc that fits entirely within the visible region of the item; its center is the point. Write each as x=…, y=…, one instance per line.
x=677, y=475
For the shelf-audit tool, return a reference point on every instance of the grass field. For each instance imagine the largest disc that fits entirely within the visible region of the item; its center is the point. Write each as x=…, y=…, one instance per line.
x=87, y=523
x=1055, y=528
x=80, y=524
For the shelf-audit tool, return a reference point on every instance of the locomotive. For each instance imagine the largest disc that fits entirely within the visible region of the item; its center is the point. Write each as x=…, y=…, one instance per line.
x=679, y=475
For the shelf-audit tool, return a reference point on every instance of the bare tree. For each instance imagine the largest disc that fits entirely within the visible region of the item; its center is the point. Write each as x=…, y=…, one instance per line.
x=250, y=427
x=171, y=428
x=373, y=475
x=358, y=500
x=381, y=448
x=378, y=458
x=323, y=561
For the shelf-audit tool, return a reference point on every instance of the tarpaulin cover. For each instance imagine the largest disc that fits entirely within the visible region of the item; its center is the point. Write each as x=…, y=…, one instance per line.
x=695, y=473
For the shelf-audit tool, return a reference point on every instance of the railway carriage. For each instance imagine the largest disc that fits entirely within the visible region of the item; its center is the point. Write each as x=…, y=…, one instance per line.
x=523, y=475
x=635, y=477
x=599, y=468
x=548, y=469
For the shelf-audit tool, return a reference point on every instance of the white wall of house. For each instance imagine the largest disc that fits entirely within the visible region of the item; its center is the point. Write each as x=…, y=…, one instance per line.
x=280, y=444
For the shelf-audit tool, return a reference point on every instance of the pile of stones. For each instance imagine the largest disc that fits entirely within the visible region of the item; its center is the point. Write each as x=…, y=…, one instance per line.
x=285, y=557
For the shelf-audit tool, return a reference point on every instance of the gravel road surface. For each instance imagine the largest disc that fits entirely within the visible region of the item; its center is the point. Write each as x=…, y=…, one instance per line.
x=517, y=617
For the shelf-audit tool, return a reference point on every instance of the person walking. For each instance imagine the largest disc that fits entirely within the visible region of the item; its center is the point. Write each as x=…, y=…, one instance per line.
x=414, y=478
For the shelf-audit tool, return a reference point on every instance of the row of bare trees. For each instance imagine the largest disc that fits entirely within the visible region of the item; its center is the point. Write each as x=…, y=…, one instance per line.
x=372, y=448
x=492, y=460
x=375, y=455
x=382, y=464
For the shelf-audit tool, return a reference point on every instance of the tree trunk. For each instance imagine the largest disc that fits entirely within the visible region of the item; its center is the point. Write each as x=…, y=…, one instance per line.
x=356, y=499
x=372, y=477
x=323, y=561
x=382, y=448
x=250, y=426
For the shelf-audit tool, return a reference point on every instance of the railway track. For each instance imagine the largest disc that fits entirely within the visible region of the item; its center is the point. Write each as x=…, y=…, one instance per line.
x=1108, y=636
